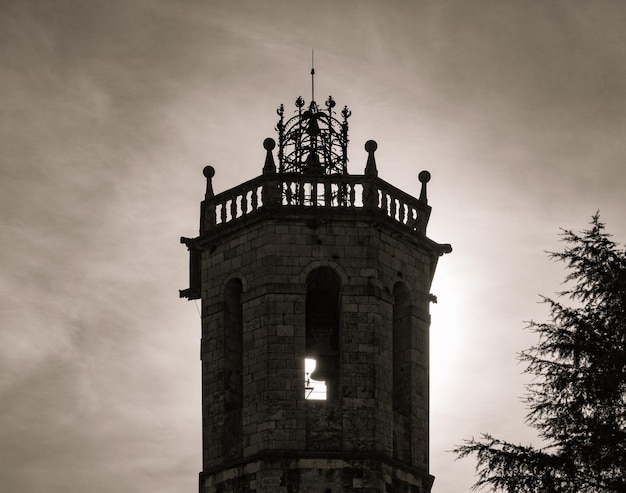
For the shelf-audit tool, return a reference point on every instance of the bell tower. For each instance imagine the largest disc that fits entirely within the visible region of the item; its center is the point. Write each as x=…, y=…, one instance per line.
x=315, y=291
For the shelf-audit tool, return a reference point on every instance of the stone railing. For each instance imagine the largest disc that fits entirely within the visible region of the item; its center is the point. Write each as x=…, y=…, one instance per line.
x=232, y=204
x=356, y=192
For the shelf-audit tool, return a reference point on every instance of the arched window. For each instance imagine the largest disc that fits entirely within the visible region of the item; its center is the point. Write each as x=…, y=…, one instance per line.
x=322, y=328
x=233, y=369
x=401, y=349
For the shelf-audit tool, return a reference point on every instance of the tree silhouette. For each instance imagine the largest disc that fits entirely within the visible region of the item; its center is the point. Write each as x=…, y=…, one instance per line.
x=577, y=402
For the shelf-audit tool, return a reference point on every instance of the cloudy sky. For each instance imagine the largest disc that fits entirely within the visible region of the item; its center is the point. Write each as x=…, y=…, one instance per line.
x=110, y=110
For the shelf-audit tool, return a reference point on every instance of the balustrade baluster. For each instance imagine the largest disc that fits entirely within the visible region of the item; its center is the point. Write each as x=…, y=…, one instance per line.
x=254, y=203
x=352, y=196
x=223, y=212
x=288, y=192
x=300, y=187
x=233, y=208
x=328, y=194
x=401, y=216
x=244, y=203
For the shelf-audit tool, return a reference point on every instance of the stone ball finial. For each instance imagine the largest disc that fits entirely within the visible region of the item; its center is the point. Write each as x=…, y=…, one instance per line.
x=371, y=146
x=370, y=167
x=424, y=178
x=269, y=144
x=208, y=171
x=269, y=168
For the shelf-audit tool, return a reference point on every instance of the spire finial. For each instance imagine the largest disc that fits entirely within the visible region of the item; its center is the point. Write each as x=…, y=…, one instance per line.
x=312, y=75
x=313, y=138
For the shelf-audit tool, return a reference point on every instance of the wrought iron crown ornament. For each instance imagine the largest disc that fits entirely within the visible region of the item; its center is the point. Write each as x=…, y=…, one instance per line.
x=313, y=142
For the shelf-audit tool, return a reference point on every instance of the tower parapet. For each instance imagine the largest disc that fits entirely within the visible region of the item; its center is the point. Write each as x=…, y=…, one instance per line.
x=307, y=262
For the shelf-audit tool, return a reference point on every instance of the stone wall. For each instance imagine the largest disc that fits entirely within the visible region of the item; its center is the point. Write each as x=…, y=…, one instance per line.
x=315, y=475
x=272, y=258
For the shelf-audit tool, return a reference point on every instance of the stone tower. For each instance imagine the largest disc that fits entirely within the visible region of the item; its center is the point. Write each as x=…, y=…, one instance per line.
x=308, y=262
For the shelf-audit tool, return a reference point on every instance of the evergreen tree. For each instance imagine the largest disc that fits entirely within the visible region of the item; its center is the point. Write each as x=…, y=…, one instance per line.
x=577, y=402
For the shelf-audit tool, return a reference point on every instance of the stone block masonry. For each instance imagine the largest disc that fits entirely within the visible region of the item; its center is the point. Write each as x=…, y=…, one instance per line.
x=271, y=259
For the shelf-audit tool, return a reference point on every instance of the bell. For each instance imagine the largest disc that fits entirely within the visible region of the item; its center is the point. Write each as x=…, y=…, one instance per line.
x=324, y=369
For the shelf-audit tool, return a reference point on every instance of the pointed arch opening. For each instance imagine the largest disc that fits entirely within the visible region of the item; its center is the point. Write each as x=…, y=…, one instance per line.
x=233, y=369
x=323, y=311
x=401, y=349
x=402, y=390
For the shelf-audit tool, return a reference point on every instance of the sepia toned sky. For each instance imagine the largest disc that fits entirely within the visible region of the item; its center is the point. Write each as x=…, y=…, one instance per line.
x=110, y=110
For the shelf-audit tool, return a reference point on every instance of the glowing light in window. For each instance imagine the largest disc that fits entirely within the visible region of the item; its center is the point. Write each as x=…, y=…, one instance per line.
x=313, y=389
